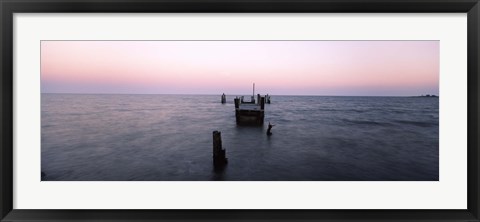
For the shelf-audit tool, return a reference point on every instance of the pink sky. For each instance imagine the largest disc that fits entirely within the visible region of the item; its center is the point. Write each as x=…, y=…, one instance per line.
x=357, y=68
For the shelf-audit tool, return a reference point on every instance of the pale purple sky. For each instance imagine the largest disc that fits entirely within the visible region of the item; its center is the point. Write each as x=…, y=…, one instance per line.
x=356, y=68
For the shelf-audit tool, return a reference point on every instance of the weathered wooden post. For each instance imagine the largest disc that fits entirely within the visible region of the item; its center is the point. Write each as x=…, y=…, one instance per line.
x=219, y=157
x=237, y=106
x=224, y=99
x=262, y=108
x=237, y=103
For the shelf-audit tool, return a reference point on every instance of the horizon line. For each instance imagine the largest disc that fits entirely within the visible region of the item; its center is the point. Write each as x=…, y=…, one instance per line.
x=201, y=94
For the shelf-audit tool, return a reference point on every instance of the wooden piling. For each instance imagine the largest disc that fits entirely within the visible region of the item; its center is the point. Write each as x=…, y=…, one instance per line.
x=237, y=107
x=262, y=107
x=224, y=99
x=219, y=157
x=237, y=103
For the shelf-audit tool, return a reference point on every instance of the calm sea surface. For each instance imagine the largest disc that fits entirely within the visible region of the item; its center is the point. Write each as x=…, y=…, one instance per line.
x=169, y=137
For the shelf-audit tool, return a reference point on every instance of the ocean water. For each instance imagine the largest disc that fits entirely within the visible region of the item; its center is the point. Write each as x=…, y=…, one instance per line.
x=169, y=138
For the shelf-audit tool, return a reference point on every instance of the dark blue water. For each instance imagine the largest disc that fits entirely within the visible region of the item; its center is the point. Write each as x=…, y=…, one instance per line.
x=169, y=138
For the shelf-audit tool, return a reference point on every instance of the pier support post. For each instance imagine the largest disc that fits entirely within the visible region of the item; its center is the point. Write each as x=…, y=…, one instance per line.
x=262, y=103
x=237, y=106
x=219, y=157
x=237, y=103
x=224, y=99
x=262, y=107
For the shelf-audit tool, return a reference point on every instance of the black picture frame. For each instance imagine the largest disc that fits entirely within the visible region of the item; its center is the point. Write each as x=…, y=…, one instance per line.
x=9, y=7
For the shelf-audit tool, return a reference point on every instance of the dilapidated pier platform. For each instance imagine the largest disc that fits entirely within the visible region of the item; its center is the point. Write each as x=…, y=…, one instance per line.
x=250, y=113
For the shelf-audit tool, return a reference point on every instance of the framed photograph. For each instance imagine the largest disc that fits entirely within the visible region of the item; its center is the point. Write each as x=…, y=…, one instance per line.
x=239, y=110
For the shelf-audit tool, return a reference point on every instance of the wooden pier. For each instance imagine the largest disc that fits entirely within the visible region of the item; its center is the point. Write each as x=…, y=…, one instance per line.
x=250, y=113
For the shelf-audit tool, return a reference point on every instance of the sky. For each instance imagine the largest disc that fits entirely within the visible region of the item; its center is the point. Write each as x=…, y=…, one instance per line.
x=342, y=68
